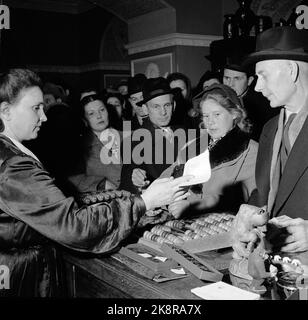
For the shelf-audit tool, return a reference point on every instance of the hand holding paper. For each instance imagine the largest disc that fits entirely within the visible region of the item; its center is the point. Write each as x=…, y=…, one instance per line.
x=199, y=167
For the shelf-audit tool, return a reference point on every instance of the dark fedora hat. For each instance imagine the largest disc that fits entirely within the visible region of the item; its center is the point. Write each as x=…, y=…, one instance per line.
x=153, y=88
x=135, y=84
x=288, y=43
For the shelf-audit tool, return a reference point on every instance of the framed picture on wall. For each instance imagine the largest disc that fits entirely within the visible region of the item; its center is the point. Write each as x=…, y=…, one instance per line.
x=155, y=66
x=112, y=80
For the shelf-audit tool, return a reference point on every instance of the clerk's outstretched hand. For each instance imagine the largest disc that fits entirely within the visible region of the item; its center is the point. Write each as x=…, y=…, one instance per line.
x=297, y=240
x=164, y=191
x=178, y=207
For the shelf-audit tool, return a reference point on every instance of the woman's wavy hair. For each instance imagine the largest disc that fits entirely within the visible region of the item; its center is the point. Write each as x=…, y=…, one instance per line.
x=97, y=97
x=13, y=82
x=228, y=99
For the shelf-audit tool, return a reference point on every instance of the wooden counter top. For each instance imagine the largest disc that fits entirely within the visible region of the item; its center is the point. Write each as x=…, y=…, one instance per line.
x=107, y=277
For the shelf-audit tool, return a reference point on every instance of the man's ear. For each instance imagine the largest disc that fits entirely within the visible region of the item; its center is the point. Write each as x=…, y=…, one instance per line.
x=5, y=110
x=174, y=105
x=145, y=109
x=250, y=79
x=294, y=69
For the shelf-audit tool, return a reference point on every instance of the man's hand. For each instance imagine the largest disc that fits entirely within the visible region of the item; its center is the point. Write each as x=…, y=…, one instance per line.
x=244, y=229
x=297, y=241
x=139, y=178
x=164, y=191
x=177, y=208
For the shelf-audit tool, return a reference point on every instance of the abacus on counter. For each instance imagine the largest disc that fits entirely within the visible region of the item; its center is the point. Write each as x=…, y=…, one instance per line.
x=204, y=233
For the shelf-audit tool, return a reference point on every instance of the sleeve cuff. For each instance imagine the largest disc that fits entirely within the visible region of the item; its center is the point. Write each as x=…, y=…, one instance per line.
x=139, y=204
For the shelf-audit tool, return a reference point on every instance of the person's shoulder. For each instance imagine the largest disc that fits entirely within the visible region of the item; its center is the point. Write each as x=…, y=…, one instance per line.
x=7, y=148
x=253, y=148
x=271, y=123
x=253, y=145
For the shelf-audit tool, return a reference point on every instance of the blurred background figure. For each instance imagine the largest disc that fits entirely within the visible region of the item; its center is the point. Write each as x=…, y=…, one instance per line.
x=53, y=94
x=87, y=92
x=242, y=81
x=206, y=80
x=135, y=85
x=122, y=88
x=181, y=86
x=116, y=102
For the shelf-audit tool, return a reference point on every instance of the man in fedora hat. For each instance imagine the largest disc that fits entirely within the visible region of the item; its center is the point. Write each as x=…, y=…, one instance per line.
x=158, y=102
x=281, y=60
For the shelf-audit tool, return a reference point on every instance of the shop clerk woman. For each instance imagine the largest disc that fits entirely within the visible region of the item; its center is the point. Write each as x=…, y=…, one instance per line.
x=34, y=213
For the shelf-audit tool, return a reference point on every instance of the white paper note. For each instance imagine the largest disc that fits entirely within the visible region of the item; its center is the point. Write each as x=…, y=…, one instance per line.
x=145, y=255
x=162, y=259
x=178, y=271
x=199, y=167
x=223, y=291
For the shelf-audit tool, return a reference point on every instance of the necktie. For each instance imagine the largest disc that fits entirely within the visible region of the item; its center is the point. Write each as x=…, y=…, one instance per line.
x=285, y=143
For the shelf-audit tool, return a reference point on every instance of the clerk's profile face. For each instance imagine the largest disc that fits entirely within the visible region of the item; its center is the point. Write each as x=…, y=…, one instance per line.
x=26, y=115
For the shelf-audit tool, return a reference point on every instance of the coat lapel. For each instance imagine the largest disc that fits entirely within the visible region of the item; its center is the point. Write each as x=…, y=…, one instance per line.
x=295, y=166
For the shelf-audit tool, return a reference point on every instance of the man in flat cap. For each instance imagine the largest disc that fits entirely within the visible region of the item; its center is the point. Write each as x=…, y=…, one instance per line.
x=281, y=60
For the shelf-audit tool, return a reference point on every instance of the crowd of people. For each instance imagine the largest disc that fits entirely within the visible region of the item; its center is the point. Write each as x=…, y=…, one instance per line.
x=134, y=144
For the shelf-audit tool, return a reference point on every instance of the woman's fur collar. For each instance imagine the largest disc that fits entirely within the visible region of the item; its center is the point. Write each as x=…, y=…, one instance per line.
x=230, y=147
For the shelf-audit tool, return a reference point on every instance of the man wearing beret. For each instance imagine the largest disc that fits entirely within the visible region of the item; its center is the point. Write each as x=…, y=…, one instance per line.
x=281, y=60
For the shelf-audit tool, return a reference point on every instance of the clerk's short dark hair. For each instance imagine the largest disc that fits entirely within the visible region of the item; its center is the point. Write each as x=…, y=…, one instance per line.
x=12, y=82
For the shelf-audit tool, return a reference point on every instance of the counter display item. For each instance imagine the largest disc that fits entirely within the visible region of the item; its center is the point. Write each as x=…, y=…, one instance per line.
x=191, y=262
x=203, y=233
